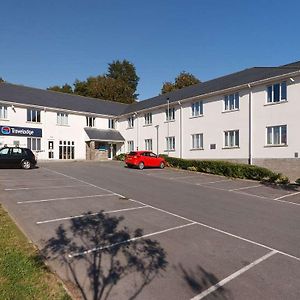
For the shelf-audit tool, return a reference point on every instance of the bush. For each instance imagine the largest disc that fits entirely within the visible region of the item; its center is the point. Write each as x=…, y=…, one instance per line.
x=120, y=157
x=228, y=169
x=297, y=181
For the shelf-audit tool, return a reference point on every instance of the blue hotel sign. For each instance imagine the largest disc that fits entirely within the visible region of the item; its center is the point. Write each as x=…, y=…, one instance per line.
x=20, y=131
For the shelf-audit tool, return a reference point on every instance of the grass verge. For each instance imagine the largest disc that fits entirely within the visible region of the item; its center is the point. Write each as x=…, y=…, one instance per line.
x=23, y=275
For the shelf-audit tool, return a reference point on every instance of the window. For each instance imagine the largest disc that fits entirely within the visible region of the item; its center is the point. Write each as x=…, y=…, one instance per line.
x=277, y=135
x=277, y=92
x=62, y=119
x=197, y=141
x=130, y=146
x=197, y=109
x=111, y=124
x=90, y=121
x=170, y=142
x=16, y=151
x=66, y=150
x=148, y=118
x=34, y=144
x=148, y=144
x=170, y=114
x=33, y=115
x=130, y=122
x=232, y=138
x=4, y=151
x=3, y=112
x=232, y=102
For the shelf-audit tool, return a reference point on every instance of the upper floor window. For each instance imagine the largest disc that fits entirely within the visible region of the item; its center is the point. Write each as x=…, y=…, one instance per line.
x=62, y=119
x=232, y=138
x=130, y=122
x=111, y=123
x=33, y=115
x=277, y=135
x=232, y=102
x=148, y=144
x=277, y=92
x=3, y=112
x=197, y=141
x=90, y=121
x=148, y=118
x=170, y=143
x=170, y=114
x=197, y=108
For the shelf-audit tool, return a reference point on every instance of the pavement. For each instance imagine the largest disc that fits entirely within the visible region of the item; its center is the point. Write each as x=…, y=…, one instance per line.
x=158, y=234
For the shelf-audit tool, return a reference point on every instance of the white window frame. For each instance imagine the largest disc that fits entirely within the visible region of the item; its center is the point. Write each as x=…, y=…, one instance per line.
x=90, y=121
x=130, y=146
x=148, y=118
x=33, y=113
x=170, y=143
x=197, y=109
x=34, y=144
x=232, y=139
x=197, y=141
x=272, y=130
x=271, y=92
x=62, y=119
x=170, y=114
x=3, y=112
x=148, y=144
x=130, y=121
x=232, y=102
x=111, y=123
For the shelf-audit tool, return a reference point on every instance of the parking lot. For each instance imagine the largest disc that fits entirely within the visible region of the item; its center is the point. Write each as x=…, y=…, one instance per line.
x=223, y=238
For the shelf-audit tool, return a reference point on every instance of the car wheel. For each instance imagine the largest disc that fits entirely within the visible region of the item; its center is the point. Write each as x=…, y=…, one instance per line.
x=26, y=164
x=141, y=165
x=162, y=165
x=129, y=166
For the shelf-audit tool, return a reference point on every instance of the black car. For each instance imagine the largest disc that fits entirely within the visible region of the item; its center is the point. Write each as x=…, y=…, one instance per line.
x=17, y=157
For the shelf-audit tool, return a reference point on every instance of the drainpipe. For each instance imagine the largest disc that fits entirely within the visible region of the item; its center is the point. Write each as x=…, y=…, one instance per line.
x=168, y=125
x=250, y=158
x=180, y=130
x=157, y=148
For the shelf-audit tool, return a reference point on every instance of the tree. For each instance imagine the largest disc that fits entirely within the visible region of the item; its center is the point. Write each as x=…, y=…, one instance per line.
x=1, y=79
x=66, y=88
x=184, y=79
x=124, y=71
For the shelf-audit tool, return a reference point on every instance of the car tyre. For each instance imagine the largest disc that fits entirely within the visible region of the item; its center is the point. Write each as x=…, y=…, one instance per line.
x=26, y=164
x=162, y=165
x=141, y=165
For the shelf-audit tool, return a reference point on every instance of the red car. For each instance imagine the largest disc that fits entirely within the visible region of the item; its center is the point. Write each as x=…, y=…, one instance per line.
x=143, y=159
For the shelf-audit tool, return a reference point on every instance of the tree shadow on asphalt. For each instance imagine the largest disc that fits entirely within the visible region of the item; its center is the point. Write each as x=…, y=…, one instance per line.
x=201, y=280
x=99, y=243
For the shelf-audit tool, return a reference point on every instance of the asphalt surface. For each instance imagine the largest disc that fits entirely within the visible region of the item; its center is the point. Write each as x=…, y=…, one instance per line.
x=222, y=238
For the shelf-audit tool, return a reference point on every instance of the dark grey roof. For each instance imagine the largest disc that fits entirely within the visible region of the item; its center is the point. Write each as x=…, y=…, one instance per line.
x=221, y=83
x=45, y=98
x=112, y=135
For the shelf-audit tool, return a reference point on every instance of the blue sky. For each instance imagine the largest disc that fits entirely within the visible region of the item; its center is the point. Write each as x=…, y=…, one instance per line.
x=44, y=43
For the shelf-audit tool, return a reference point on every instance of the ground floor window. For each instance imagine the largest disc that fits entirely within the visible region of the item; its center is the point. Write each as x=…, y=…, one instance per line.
x=66, y=150
x=130, y=146
x=232, y=138
x=34, y=144
x=148, y=144
x=197, y=141
x=170, y=143
x=277, y=135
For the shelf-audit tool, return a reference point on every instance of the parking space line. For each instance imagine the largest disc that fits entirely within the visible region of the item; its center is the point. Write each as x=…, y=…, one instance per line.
x=128, y=241
x=211, y=182
x=92, y=214
x=192, y=221
x=245, y=188
x=183, y=177
x=64, y=198
x=20, y=179
x=233, y=276
x=288, y=195
x=42, y=187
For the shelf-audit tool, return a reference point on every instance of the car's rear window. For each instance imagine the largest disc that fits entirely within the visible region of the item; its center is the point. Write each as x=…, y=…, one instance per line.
x=132, y=153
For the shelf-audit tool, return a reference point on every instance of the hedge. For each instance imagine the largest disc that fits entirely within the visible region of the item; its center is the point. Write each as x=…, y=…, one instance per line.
x=227, y=169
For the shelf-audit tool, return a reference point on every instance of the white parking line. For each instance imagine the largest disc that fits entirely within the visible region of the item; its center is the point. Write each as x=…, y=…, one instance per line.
x=93, y=214
x=245, y=188
x=288, y=195
x=128, y=241
x=183, y=177
x=32, y=179
x=43, y=187
x=192, y=221
x=64, y=198
x=232, y=276
x=211, y=182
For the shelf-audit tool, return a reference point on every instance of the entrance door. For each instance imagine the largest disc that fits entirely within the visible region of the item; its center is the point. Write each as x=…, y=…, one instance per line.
x=50, y=149
x=112, y=151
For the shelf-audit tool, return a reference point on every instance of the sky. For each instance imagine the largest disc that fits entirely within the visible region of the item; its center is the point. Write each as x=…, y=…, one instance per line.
x=45, y=43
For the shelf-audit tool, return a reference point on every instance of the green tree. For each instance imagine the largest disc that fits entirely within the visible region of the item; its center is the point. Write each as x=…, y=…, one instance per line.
x=184, y=79
x=66, y=88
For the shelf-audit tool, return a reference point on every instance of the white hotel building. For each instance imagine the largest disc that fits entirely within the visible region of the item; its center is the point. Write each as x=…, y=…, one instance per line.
x=252, y=116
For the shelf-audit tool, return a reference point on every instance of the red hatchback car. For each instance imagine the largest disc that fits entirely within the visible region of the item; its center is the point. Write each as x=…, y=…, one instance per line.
x=142, y=159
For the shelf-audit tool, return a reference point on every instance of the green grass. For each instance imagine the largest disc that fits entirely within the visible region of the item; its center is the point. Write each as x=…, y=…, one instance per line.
x=23, y=275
